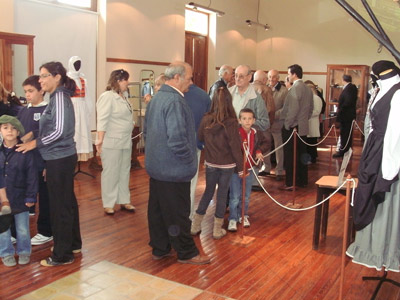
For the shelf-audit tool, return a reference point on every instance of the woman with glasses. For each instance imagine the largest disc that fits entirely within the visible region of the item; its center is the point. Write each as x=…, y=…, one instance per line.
x=57, y=147
x=114, y=143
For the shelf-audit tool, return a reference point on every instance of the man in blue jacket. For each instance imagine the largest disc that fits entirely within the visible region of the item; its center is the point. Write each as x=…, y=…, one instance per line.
x=171, y=162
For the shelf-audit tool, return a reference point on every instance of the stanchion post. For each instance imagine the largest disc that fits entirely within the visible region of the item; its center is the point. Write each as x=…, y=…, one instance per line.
x=243, y=185
x=294, y=162
x=330, y=160
x=243, y=240
x=345, y=233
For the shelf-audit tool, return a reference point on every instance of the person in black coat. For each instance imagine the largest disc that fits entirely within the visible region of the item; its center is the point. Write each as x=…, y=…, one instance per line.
x=346, y=114
x=19, y=173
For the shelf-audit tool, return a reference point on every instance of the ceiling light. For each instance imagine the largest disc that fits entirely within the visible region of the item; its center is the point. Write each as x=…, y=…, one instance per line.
x=264, y=26
x=199, y=7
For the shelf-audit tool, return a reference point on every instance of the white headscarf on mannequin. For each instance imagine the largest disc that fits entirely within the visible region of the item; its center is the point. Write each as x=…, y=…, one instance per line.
x=73, y=73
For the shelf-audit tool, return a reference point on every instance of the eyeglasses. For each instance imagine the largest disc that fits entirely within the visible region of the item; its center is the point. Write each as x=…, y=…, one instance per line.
x=45, y=75
x=240, y=76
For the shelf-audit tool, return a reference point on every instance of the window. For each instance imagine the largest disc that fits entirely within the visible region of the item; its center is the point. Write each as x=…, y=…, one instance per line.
x=196, y=22
x=85, y=4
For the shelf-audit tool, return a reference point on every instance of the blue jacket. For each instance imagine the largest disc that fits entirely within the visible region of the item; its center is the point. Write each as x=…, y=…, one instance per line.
x=170, y=138
x=57, y=127
x=199, y=102
x=29, y=117
x=20, y=175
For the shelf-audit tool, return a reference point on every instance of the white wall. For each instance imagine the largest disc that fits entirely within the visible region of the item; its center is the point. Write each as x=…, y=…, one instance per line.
x=314, y=33
x=59, y=34
x=155, y=31
x=7, y=16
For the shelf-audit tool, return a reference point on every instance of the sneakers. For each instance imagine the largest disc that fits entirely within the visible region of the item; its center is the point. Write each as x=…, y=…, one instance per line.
x=13, y=240
x=246, y=222
x=40, y=239
x=24, y=259
x=49, y=262
x=232, y=226
x=9, y=261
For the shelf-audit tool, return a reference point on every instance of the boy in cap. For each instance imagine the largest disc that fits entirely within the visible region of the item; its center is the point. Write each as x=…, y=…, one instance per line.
x=19, y=174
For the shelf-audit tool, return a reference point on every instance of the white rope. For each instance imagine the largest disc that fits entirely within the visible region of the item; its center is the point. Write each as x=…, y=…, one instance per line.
x=358, y=127
x=348, y=139
x=137, y=135
x=310, y=207
x=281, y=146
x=320, y=142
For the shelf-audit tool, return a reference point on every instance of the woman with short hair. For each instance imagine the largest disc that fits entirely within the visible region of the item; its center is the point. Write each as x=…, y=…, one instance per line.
x=114, y=143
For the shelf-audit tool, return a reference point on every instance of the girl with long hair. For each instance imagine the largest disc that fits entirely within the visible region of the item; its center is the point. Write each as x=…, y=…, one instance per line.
x=219, y=131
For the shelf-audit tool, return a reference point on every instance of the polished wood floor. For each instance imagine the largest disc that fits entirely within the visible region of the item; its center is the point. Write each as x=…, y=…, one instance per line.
x=278, y=264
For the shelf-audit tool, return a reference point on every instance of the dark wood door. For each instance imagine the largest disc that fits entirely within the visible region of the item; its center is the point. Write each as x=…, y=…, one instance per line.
x=196, y=55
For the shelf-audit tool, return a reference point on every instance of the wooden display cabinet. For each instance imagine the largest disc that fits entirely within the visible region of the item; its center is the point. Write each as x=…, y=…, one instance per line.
x=334, y=86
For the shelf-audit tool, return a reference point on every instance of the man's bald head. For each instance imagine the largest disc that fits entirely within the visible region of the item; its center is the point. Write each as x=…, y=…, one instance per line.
x=261, y=76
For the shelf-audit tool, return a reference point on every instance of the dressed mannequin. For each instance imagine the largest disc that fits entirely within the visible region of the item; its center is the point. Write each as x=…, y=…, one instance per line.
x=377, y=201
x=83, y=110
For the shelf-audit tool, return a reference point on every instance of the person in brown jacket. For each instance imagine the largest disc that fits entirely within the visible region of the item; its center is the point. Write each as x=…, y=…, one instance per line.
x=219, y=130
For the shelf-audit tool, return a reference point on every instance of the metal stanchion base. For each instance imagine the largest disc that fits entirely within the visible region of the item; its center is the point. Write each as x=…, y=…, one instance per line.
x=245, y=241
x=294, y=205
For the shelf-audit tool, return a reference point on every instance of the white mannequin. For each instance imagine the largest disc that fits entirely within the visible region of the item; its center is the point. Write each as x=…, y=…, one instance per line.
x=82, y=110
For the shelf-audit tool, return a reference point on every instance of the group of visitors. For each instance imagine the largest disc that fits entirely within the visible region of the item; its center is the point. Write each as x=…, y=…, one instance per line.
x=38, y=153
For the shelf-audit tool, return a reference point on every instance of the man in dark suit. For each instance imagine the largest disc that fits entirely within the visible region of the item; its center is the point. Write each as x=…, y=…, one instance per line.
x=346, y=114
x=296, y=111
x=225, y=74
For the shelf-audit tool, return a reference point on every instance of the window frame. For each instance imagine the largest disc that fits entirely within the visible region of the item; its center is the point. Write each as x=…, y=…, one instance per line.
x=93, y=5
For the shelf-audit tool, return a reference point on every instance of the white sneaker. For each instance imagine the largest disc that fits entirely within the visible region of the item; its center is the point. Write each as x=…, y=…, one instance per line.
x=246, y=222
x=40, y=239
x=232, y=225
x=13, y=240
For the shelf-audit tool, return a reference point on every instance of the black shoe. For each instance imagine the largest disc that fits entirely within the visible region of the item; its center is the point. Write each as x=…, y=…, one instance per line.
x=264, y=173
x=286, y=188
x=338, y=154
x=256, y=188
x=49, y=262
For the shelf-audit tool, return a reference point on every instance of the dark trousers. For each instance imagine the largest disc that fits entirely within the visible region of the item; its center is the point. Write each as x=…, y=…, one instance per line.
x=43, y=221
x=345, y=128
x=64, y=214
x=168, y=217
x=301, y=158
x=312, y=150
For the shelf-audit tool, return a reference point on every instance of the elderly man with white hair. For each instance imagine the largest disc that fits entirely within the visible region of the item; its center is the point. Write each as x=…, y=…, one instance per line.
x=225, y=74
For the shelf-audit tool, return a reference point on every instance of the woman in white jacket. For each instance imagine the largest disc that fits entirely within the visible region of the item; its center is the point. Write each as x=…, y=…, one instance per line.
x=313, y=124
x=114, y=144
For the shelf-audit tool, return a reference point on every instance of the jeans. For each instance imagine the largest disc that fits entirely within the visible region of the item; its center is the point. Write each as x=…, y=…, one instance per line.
x=215, y=176
x=235, y=200
x=23, y=237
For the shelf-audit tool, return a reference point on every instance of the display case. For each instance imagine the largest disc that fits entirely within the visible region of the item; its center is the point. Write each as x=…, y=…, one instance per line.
x=334, y=86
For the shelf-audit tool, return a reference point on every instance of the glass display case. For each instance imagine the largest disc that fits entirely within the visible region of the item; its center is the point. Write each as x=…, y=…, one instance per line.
x=334, y=86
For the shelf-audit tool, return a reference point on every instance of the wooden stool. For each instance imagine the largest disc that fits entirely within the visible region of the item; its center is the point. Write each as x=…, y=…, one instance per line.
x=326, y=185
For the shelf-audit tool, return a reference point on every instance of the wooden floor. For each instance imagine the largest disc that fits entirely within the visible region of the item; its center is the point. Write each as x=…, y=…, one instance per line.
x=278, y=264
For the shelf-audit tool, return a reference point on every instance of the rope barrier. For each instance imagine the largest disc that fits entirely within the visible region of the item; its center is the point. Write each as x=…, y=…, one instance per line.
x=281, y=146
x=359, y=128
x=320, y=142
x=297, y=209
x=137, y=135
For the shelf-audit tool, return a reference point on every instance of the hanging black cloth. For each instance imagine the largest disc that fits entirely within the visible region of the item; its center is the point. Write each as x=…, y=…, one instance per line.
x=371, y=185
